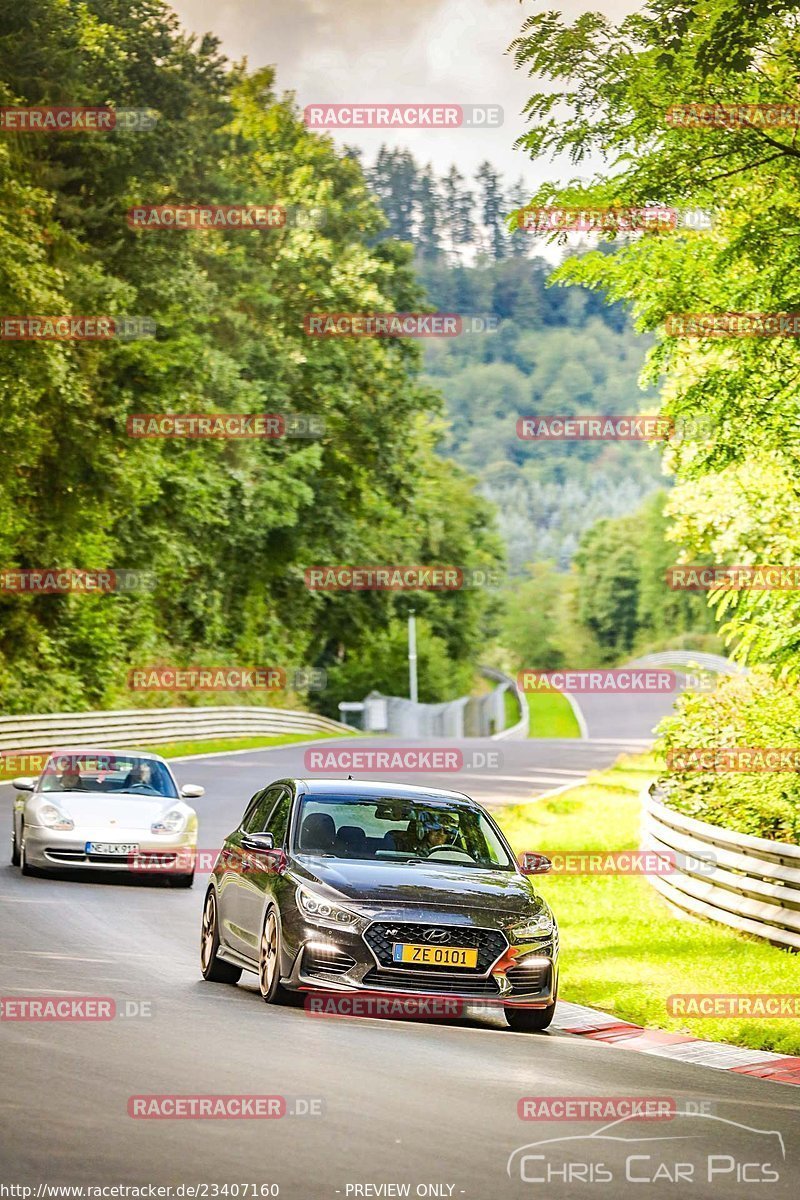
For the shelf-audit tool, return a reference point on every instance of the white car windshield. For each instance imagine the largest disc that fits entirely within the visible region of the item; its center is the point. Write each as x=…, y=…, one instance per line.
x=113, y=773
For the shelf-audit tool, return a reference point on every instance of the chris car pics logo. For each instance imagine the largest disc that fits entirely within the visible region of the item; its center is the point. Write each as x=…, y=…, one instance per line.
x=700, y=1149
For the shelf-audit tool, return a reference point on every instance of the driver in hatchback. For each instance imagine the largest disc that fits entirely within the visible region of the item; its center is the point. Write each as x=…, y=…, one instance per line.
x=436, y=829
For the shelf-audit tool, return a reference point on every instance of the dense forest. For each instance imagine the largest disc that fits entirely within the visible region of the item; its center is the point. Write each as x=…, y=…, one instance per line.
x=226, y=528
x=418, y=460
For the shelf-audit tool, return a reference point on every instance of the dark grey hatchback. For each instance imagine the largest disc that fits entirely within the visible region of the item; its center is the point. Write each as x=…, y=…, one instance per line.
x=377, y=887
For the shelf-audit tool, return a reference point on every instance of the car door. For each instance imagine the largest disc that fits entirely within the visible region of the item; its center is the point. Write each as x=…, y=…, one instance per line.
x=234, y=883
x=260, y=885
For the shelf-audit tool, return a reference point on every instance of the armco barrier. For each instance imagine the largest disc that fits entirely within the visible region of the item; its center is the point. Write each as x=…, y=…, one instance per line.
x=138, y=726
x=468, y=716
x=754, y=886
x=519, y=731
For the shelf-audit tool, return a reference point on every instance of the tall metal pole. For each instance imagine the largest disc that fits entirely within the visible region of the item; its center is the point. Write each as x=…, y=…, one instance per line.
x=412, y=655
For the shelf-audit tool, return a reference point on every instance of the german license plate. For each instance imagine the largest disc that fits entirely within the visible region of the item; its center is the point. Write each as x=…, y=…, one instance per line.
x=115, y=848
x=435, y=956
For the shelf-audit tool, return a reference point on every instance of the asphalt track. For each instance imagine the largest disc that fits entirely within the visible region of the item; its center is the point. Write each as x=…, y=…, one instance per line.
x=431, y=1105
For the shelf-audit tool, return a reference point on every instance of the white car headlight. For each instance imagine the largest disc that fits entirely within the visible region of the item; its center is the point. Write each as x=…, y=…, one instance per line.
x=324, y=912
x=534, y=927
x=55, y=818
x=172, y=822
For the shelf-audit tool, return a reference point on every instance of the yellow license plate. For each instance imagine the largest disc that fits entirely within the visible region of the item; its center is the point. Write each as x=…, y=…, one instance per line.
x=436, y=956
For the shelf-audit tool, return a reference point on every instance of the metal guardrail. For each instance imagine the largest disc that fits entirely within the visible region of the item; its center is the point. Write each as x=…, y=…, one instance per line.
x=519, y=731
x=137, y=726
x=465, y=717
x=753, y=885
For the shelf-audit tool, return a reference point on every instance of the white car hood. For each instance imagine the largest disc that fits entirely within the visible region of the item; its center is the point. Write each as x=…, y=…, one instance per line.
x=101, y=810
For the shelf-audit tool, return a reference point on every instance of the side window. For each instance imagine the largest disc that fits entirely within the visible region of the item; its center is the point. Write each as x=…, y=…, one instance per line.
x=279, y=819
x=248, y=812
x=257, y=815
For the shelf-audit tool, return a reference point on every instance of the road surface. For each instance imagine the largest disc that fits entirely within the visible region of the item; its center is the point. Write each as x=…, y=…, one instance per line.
x=419, y=1103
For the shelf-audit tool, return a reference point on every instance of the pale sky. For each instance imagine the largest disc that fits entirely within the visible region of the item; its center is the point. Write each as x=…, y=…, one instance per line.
x=414, y=51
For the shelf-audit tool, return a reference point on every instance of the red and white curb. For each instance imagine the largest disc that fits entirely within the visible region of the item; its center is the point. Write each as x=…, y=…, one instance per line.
x=601, y=1027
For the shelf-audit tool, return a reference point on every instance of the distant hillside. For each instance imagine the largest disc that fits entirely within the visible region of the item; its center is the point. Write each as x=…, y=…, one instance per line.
x=555, y=351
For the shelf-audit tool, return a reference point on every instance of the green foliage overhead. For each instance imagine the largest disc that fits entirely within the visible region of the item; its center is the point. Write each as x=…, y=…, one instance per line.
x=737, y=494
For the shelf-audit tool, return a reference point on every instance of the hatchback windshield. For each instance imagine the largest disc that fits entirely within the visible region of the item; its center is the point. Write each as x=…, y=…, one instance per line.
x=399, y=830
x=126, y=773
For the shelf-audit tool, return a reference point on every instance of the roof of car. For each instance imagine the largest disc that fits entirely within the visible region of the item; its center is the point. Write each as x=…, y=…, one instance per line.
x=379, y=789
x=96, y=751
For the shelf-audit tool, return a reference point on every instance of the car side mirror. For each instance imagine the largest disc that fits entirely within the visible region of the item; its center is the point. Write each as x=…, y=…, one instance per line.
x=192, y=791
x=270, y=860
x=23, y=784
x=531, y=863
x=258, y=841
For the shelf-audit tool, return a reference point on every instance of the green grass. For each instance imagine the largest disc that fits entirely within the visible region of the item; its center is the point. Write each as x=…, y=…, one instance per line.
x=551, y=716
x=622, y=949
x=218, y=745
x=510, y=708
x=211, y=746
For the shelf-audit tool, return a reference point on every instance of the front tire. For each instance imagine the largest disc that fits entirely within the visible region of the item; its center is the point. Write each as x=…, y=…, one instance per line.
x=14, y=848
x=530, y=1020
x=269, y=961
x=23, y=858
x=214, y=969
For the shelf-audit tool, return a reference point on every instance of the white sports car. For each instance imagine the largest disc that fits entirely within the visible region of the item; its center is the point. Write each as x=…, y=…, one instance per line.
x=108, y=810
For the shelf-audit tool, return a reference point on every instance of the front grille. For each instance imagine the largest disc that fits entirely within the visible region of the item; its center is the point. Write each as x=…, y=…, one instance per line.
x=530, y=977
x=331, y=962
x=143, y=861
x=440, y=983
x=78, y=856
x=381, y=936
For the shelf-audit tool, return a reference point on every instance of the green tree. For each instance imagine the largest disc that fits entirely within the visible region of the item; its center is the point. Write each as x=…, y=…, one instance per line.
x=608, y=91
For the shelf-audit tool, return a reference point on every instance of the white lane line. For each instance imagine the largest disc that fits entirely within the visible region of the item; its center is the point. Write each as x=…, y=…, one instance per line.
x=565, y=787
x=25, y=900
x=255, y=750
x=537, y=796
x=61, y=957
x=46, y=991
x=623, y=741
x=560, y=771
x=579, y=717
x=516, y=778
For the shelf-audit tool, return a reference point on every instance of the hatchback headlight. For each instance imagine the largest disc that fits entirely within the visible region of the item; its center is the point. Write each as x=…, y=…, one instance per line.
x=55, y=818
x=324, y=912
x=534, y=927
x=172, y=822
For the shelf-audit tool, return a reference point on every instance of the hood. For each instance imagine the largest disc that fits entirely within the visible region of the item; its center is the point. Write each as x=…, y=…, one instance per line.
x=99, y=809
x=424, y=885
